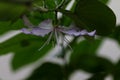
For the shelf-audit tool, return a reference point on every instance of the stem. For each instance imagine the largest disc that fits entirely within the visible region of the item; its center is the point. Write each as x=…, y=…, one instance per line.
x=44, y=4
x=56, y=19
x=44, y=9
x=56, y=36
x=67, y=43
x=61, y=4
x=63, y=48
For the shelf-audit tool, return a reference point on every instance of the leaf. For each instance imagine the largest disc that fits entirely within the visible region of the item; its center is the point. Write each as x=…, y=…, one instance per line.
x=98, y=76
x=17, y=1
x=116, y=71
x=25, y=48
x=91, y=63
x=93, y=15
x=65, y=21
x=83, y=57
x=104, y=1
x=48, y=71
x=96, y=16
x=10, y=11
x=38, y=3
x=65, y=4
x=6, y=26
x=116, y=34
x=52, y=4
x=86, y=46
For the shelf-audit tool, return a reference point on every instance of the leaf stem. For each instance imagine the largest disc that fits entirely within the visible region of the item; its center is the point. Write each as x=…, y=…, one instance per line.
x=61, y=4
x=56, y=19
x=44, y=9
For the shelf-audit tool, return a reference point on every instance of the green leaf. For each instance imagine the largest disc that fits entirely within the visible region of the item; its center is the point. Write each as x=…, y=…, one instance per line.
x=98, y=76
x=38, y=3
x=16, y=1
x=25, y=48
x=91, y=63
x=116, y=34
x=65, y=4
x=86, y=46
x=83, y=57
x=104, y=1
x=52, y=4
x=65, y=21
x=75, y=19
x=10, y=11
x=6, y=26
x=17, y=25
x=116, y=72
x=48, y=71
x=96, y=16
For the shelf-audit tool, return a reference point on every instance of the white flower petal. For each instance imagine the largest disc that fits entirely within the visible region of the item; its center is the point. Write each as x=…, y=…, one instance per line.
x=46, y=24
x=92, y=33
x=26, y=31
x=76, y=32
x=40, y=32
x=36, y=31
x=71, y=32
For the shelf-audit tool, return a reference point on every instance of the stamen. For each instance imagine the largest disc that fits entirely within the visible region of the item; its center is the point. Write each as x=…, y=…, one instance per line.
x=67, y=42
x=56, y=37
x=47, y=42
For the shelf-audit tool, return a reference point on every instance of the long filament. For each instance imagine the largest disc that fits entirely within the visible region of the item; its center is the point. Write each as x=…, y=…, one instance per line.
x=56, y=36
x=67, y=42
x=47, y=42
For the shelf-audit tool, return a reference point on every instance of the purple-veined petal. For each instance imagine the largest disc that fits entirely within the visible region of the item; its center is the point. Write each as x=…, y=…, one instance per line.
x=76, y=32
x=44, y=28
x=26, y=31
x=40, y=32
x=85, y=32
x=92, y=33
x=36, y=31
x=46, y=24
x=27, y=22
x=71, y=32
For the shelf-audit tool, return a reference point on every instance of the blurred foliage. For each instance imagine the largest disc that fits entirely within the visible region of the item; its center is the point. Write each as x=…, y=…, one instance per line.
x=98, y=76
x=48, y=71
x=116, y=71
x=105, y=1
x=11, y=11
x=8, y=25
x=91, y=15
x=116, y=34
x=18, y=1
x=85, y=14
x=25, y=48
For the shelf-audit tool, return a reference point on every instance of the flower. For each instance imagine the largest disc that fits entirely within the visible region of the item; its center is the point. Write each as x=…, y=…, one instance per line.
x=46, y=27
